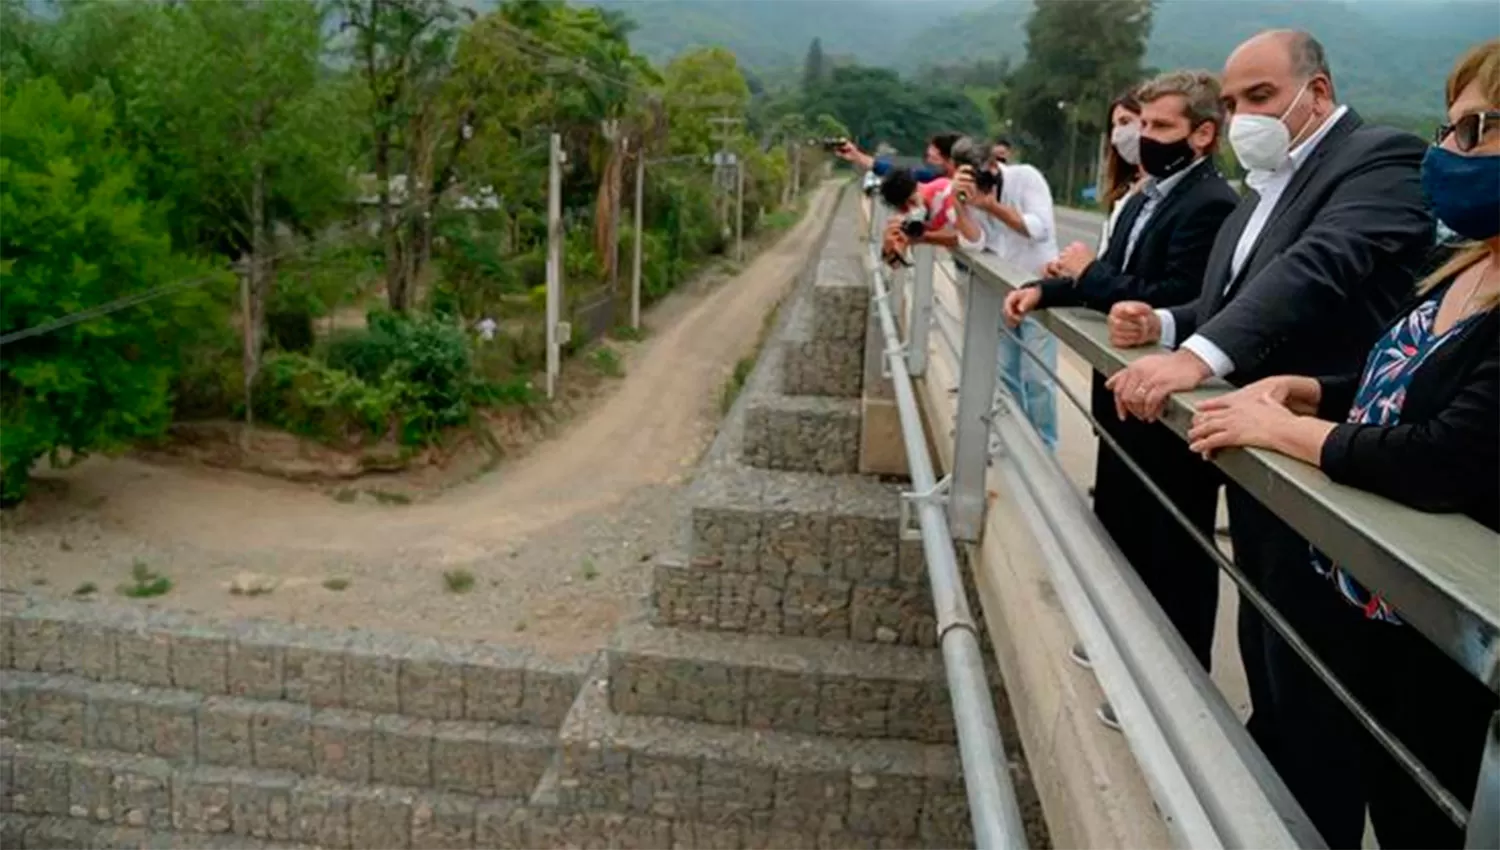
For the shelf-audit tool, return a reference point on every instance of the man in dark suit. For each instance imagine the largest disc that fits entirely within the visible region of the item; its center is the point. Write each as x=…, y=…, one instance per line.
x=1156, y=254
x=1304, y=276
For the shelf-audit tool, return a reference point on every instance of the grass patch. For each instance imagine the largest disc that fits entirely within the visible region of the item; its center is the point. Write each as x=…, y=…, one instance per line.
x=145, y=582
x=606, y=361
x=88, y=588
x=336, y=583
x=590, y=572
x=458, y=581
x=625, y=333
x=346, y=495
x=736, y=383
x=386, y=497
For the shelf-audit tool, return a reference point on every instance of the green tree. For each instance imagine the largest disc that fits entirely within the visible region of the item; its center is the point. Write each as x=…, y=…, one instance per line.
x=78, y=234
x=1079, y=56
x=812, y=67
x=702, y=85
x=419, y=120
x=229, y=97
x=876, y=106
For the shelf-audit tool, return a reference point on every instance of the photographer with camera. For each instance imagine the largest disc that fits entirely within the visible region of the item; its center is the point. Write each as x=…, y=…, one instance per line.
x=938, y=156
x=923, y=214
x=1007, y=210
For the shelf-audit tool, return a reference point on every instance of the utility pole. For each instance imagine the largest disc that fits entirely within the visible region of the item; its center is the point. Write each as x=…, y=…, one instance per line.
x=554, y=262
x=249, y=323
x=635, y=272
x=739, y=211
x=723, y=132
x=617, y=185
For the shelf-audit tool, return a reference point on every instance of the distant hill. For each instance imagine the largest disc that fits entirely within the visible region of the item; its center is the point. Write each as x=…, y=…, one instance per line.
x=1389, y=57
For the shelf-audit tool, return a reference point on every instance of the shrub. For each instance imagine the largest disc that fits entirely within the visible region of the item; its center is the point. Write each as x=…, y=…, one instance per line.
x=311, y=398
x=78, y=234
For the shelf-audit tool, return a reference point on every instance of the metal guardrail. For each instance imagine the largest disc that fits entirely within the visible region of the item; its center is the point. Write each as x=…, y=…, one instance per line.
x=993, y=809
x=1438, y=570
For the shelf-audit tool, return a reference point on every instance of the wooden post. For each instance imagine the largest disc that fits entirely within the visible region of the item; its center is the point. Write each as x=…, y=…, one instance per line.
x=635, y=272
x=739, y=211
x=554, y=262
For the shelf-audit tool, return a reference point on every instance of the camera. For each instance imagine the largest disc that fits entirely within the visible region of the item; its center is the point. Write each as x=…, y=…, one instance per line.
x=967, y=152
x=914, y=222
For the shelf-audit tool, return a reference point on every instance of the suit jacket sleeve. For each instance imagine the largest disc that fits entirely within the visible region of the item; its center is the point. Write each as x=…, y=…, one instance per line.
x=1373, y=214
x=1336, y=396
x=1436, y=465
x=1181, y=279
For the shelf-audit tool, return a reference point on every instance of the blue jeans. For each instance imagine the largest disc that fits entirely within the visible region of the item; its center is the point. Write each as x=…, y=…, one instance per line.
x=1027, y=383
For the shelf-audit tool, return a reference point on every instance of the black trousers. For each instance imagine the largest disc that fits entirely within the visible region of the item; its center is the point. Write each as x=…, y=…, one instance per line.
x=1180, y=575
x=1263, y=545
x=1332, y=765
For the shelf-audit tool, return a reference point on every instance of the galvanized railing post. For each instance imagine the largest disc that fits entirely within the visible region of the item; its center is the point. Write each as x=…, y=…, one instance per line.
x=920, y=318
x=976, y=399
x=1484, y=817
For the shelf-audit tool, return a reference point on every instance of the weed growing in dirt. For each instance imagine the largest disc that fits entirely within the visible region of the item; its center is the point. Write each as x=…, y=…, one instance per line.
x=336, y=583
x=346, y=495
x=387, y=497
x=520, y=625
x=86, y=589
x=626, y=333
x=145, y=582
x=458, y=581
x=607, y=362
x=736, y=383
x=590, y=572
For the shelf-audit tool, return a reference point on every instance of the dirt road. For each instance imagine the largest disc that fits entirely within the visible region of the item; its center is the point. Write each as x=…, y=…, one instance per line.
x=553, y=539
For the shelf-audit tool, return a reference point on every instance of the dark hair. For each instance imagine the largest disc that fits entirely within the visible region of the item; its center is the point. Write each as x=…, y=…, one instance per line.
x=944, y=143
x=1119, y=175
x=897, y=187
x=1002, y=140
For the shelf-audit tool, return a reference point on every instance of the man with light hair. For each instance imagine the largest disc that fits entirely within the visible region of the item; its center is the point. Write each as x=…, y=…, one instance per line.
x=1156, y=254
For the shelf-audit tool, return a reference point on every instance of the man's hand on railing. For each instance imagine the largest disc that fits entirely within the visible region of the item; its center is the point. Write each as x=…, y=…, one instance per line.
x=1142, y=388
x=1020, y=302
x=1072, y=262
x=1133, y=324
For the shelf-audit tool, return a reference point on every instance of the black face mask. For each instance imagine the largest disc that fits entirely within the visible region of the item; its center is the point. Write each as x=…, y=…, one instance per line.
x=1163, y=159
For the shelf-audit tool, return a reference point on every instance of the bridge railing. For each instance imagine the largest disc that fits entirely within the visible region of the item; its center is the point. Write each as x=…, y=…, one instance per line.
x=1213, y=785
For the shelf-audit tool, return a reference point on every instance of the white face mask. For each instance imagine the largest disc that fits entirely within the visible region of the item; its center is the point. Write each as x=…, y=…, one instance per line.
x=1261, y=142
x=1126, y=139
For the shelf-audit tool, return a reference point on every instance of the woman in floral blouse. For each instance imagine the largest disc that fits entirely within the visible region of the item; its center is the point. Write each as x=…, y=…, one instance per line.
x=1420, y=425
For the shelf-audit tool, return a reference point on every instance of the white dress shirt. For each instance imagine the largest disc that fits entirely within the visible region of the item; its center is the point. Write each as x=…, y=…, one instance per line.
x=1269, y=185
x=1026, y=191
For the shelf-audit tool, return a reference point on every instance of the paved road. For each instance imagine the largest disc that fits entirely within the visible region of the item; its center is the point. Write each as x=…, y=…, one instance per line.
x=1077, y=226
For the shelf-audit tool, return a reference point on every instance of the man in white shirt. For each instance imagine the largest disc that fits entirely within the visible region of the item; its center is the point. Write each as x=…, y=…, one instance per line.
x=1016, y=224
x=1304, y=276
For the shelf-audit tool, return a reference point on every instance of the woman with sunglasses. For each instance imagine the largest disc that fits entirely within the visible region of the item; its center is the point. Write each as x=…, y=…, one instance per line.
x=1421, y=426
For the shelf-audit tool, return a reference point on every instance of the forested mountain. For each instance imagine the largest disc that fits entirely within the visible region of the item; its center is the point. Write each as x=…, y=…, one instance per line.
x=1389, y=56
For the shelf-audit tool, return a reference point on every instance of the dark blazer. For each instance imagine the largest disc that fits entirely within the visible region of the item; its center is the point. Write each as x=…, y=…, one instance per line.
x=1444, y=455
x=1166, y=268
x=1332, y=266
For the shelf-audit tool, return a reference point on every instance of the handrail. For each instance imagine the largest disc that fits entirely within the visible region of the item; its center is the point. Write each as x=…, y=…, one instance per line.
x=1438, y=569
x=993, y=809
x=1211, y=784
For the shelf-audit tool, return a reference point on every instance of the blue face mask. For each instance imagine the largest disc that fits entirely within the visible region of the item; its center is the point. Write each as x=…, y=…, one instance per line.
x=1464, y=191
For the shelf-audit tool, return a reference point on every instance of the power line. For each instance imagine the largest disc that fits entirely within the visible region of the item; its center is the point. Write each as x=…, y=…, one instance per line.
x=127, y=301
x=105, y=309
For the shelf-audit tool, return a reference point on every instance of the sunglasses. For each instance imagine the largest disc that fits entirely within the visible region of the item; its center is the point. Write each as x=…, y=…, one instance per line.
x=1469, y=130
